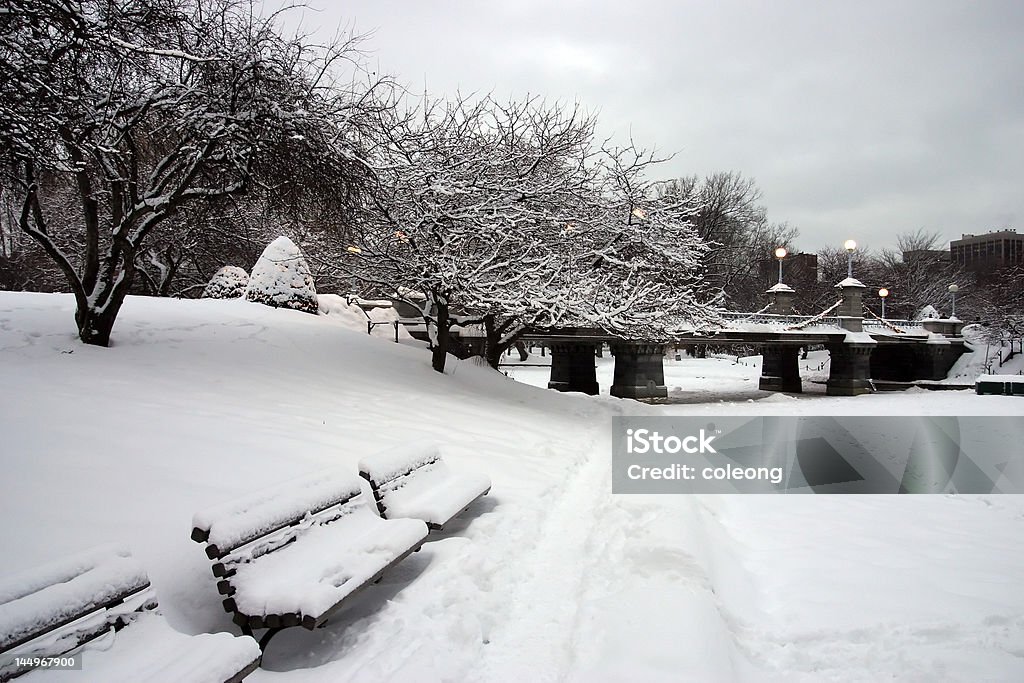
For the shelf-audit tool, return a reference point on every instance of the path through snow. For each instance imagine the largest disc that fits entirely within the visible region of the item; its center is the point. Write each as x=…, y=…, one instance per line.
x=536, y=637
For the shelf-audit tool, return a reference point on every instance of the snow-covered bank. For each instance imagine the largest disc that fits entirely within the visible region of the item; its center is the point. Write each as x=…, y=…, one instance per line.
x=548, y=578
x=726, y=385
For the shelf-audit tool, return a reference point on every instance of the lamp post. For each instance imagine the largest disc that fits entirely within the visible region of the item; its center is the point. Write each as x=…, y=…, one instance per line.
x=882, y=293
x=953, y=289
x=780, y=254
x=850, y=246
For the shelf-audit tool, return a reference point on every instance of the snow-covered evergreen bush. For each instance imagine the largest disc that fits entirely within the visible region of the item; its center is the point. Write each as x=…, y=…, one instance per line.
x=928, y=312
x=281, y=278
x=227, y=283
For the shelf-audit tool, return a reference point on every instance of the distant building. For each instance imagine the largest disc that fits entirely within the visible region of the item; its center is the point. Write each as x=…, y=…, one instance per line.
x=989, y=251
x=804, y=267
x=927, y=255
x=797, y=269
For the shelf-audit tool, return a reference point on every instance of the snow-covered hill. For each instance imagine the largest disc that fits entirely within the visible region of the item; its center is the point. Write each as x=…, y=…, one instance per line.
x=548, y=578
x=984, y=359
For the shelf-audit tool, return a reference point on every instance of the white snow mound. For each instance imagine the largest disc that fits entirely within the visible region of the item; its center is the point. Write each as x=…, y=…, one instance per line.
x=281, y=278
x=227, y=283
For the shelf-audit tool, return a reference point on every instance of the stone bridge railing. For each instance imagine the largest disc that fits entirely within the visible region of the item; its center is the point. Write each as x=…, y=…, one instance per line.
x=784, y=321
x=802, y=321
x=897, y=326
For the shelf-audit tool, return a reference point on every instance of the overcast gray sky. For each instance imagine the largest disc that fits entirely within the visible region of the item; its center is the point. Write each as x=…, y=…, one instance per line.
x=857, y=119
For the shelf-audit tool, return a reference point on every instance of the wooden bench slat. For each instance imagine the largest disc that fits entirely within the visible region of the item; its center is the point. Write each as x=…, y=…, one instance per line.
x=150, y=649
x=89, y=582
x=234, y=524
x=65, y=638
x=281, y=570
x=386, y=466
x=274, y=539
x=103, y=594
x=415, y=482
x=240, y=676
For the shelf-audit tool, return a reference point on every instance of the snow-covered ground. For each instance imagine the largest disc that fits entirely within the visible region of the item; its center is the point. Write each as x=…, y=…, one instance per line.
x=984, y=360
x=550, y=577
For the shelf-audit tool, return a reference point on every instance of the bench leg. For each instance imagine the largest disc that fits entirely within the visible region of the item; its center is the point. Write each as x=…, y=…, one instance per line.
x=271, y=632
x=266, y=638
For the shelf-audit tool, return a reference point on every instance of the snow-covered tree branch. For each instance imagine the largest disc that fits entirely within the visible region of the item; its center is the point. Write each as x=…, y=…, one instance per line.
x=513, y=214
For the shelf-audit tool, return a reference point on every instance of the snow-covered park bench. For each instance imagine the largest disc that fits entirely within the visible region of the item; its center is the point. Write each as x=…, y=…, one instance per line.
x=291, y=555
x=414, y=481
x=1007, y=385
x=98, y=606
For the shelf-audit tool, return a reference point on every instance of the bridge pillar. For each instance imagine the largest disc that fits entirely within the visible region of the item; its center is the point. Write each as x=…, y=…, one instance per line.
x=933, y=361
x=639, y=370
x=573, y=367
x=780, y=369
x=851, y=310
x=780, y=299
x=849, y=368
x=894, y=362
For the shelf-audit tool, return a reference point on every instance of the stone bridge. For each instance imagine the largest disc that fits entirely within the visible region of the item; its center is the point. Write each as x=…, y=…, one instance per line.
x=860, y=349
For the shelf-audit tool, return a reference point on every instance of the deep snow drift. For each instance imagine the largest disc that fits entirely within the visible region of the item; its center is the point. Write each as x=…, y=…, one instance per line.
x=549, y=577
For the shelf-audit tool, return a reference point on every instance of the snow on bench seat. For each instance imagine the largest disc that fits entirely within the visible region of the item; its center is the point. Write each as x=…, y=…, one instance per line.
x=290, y=555
x=154, y=652
x=96, y=602
x=413, y=481
x=325, y=565
x=50, y=596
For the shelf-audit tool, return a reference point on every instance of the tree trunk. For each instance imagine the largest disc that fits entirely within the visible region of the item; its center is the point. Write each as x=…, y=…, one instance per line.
x=95, y=324
x=492, y=348
x=497, y=340
x=443, y=324
x=96, y=314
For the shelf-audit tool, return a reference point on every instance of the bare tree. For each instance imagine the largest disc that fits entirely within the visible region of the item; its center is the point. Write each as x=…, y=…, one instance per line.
x=1001, y=309
x=833, y=264
x=726, y=212
x=916, y=276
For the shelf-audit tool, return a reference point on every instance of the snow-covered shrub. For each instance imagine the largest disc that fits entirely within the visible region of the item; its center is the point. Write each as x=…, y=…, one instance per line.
x=927, y=313
x=227, y=283
x=281, y=278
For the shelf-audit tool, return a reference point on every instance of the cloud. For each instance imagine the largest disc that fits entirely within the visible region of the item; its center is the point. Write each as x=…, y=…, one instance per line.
x=557, y=58
x=869, y=117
